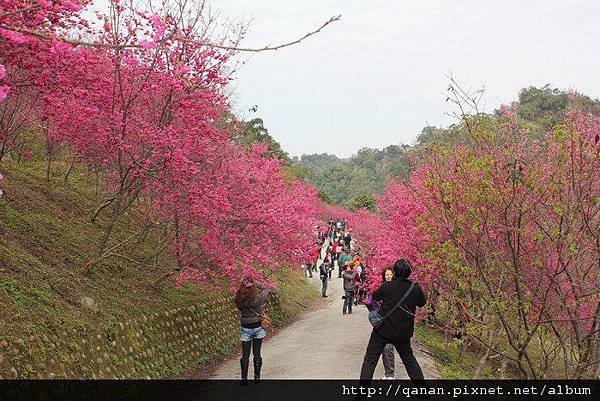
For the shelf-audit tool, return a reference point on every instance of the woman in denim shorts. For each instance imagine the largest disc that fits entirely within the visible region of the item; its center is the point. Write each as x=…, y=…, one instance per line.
x=250, y=300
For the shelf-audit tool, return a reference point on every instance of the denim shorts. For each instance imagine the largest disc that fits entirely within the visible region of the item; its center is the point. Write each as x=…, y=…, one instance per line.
x=247, y=334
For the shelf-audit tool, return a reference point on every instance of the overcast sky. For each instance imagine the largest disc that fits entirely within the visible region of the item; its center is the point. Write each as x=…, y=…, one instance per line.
x=377, y=76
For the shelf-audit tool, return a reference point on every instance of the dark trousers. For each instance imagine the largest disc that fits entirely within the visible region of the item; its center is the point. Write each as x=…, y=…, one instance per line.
x=376, y=345
x=388, y=360
x=255, y=344
x=324, y=290
x=348, y=300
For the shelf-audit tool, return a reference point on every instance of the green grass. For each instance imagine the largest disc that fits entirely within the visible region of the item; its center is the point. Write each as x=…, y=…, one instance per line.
x=450, y=364
x=46, y=238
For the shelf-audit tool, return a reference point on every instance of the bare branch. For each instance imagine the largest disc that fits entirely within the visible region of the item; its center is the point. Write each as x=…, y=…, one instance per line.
x=43, y=36
x=266, y=48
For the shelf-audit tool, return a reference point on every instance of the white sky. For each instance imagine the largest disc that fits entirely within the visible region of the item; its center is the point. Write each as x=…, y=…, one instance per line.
x=377, y=77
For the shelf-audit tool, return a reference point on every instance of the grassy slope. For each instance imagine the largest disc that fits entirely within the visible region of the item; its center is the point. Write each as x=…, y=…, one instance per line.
x=46, y=238
x=451, y=364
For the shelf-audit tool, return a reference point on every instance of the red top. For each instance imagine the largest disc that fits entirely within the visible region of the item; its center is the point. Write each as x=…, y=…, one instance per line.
x=315, y=253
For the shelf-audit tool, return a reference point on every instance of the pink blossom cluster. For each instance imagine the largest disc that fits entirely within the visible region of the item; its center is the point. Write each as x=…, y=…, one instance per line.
x=501, y=220
x=505, y=227
x=3, y=88
x=145, y=110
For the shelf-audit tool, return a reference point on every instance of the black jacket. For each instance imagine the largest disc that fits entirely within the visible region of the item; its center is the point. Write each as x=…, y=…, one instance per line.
x=399, y=325
x=324, y=270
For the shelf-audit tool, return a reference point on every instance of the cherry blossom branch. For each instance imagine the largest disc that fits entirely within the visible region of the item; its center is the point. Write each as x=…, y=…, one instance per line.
x=20, y=10
x=43, y=36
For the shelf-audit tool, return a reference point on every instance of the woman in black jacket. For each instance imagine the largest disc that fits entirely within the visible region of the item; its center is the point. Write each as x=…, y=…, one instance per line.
x=387, y=355
x=250, y=300
x=398, y=328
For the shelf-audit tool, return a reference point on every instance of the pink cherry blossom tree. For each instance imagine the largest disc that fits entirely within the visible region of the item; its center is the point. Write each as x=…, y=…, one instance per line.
x=141, y=101
x=508, y=227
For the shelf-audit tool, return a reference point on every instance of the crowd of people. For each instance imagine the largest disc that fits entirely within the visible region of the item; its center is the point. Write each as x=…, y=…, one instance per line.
x=335, y=245
x=395, y=301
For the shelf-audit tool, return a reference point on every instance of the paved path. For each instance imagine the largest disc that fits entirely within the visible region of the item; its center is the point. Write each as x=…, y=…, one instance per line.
x=323, y=344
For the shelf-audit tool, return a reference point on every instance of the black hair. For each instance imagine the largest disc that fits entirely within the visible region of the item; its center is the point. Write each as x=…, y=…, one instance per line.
x=402, y=268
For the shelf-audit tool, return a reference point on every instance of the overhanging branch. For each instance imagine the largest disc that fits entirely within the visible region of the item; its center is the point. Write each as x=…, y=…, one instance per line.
x=43, y=36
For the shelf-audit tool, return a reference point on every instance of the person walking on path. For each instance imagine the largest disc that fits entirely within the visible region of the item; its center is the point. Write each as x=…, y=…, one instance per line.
x=398, y=328
x=250, y=300
x=334, y=247
x=388, y=352
x=360, y=287
x=324, y=273
x=328, y=259
x=342, y=262
x=349, y=288
x=316, y=251
x=308, y=268
x=338, y=250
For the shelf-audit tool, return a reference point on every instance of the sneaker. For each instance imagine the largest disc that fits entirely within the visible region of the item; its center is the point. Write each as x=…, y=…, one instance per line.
x=350, y=312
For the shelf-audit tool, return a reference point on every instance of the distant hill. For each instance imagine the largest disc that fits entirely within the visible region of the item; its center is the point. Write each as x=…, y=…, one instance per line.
x=351, y=181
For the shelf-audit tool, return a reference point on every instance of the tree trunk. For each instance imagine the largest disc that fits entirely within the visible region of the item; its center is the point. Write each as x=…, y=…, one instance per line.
x=68, y=173
x=591, y=355
x=502, y=370
x=111, y=224
x=485, y=357
x=97, y=182
x=48, y=166
x=482, y=362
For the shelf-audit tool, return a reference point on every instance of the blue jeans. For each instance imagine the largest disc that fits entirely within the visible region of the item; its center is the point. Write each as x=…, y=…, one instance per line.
x=348, y=300
x=247, y=334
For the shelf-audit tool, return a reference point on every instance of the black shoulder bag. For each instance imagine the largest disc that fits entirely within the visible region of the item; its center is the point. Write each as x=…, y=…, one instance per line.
x=376, y=319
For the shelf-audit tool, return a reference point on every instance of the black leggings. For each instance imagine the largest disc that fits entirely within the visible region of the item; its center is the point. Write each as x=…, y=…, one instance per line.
x=255, y=345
